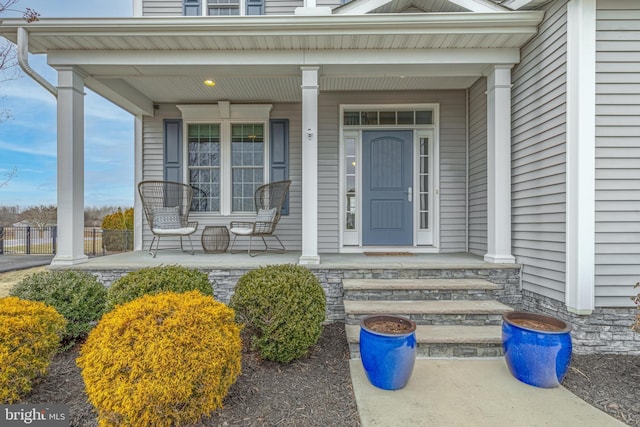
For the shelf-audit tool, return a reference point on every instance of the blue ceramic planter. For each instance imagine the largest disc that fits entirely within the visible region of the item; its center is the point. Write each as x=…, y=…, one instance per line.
x=536, y=357
x=388, y=358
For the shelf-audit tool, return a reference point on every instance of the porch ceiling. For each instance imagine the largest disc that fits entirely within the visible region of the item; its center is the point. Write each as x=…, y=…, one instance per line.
x=135, y=62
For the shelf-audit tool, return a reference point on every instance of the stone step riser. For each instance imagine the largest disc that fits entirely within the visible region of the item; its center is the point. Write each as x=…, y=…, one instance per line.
x=419, y=295
x=467, y=319
x=425, y=350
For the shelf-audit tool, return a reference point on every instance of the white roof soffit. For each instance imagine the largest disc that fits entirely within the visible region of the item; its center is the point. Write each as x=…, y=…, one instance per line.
x=474, y=30
x=137, y=62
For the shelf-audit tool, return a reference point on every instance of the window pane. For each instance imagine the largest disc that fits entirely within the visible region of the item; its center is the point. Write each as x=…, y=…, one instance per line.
x=405, y=117
x=247, y=157
x=351, y=118
x=424, y=117
x=387, y=117
x=369, y=117
x=203, y=166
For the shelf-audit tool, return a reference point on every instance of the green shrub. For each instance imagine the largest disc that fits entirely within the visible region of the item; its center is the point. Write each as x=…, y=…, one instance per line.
x=161, y=360
x=154, y=280
x=30, y=337
x=76, y=295
x=117, y=231
x=283, y=307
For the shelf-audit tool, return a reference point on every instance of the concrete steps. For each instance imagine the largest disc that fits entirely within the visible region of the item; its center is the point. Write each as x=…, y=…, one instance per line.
x=455, y=317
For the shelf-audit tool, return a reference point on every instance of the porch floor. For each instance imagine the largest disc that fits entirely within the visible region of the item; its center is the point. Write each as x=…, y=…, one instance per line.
x=141, y=259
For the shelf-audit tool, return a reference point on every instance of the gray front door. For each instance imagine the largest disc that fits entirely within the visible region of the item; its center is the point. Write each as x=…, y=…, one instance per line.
x=387, y=177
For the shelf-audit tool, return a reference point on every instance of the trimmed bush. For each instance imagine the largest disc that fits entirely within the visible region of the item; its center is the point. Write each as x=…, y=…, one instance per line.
x=153, y=280
x=30, y=337
x=77, y=295
x=161, y=360
x=117, y=231
x=283, y=307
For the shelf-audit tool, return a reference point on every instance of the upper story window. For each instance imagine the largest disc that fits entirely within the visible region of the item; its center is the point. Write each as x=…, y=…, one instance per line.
x=223, y=7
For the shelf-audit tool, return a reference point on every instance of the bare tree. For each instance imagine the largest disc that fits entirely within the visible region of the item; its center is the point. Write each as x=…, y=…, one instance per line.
x=40, y=216
x=8, y=176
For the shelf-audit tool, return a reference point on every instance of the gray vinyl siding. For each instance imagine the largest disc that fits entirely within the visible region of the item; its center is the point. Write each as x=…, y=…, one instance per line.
x=289, y=227
x=162, y=8
x=538, y=156
x=281, y=7
x=453, y=158
x=617, y=152
x=478, y=167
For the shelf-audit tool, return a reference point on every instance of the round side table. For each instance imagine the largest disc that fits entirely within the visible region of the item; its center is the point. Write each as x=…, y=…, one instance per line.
x=215, y=239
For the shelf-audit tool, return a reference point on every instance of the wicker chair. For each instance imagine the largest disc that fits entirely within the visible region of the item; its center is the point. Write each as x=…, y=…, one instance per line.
x=166, y=206
x=268, y=200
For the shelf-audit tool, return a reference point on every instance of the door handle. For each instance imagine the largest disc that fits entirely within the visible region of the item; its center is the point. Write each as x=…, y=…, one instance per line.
x=409, y=194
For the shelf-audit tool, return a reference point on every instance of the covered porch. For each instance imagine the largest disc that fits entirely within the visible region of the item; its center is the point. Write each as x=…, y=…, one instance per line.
x=290, y=62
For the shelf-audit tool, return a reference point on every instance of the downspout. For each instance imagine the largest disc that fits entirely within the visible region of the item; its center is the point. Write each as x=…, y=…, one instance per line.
x=23, y=61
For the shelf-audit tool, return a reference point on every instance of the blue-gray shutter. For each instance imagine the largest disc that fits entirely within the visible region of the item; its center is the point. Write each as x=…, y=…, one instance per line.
x=255, y=7
x=279, y=153
x=191, y=8
x=173, y=150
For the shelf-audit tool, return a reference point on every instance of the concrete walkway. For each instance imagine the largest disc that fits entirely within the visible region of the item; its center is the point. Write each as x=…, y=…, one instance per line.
x=470, y=392
x=20, y=262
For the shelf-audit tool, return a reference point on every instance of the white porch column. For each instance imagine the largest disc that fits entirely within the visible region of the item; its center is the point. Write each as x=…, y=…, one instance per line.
x=499, y=165
x=138, y=175
x=309, y=166
x=70, y=249
x=581, y=142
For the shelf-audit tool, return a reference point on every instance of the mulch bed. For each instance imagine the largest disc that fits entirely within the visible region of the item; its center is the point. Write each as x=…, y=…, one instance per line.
x=317, y=391
x=611, y=383
x=313, y=391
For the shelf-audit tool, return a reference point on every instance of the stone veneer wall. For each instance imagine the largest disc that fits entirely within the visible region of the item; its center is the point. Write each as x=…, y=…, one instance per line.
x=606, y=330
x=224, y=281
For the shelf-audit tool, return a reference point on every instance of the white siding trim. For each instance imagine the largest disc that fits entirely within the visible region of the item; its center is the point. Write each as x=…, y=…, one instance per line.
x=581, y=114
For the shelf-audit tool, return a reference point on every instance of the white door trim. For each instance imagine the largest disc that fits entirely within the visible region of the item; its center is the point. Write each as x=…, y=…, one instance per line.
x=351, y=241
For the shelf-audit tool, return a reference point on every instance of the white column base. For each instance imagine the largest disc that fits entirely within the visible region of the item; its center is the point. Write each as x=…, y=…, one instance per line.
x=65, y=261
x=500, y=259
x=309, y=260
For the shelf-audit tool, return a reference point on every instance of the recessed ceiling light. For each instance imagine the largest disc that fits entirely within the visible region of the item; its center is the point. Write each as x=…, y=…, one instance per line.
x=209, y=82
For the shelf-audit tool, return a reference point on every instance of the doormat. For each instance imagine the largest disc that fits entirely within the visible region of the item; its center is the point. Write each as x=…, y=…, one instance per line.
x=388, y=254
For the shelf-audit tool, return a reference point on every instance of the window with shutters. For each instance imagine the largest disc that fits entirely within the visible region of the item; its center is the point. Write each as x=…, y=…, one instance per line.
x=223, y=7
x=225, y=152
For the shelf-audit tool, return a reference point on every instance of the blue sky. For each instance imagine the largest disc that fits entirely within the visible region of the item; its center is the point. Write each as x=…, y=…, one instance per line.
x=28, y=137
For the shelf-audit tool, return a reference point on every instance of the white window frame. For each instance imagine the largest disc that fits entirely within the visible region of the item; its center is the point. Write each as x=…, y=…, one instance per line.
x=225, y=115
x=351, y=240
x=242, y=4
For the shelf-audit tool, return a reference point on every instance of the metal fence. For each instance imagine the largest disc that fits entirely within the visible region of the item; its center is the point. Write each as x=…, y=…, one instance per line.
x=43, y=240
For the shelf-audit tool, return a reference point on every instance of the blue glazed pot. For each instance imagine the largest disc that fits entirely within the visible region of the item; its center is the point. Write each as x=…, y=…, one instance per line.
x=536, y=357
x=388, y=358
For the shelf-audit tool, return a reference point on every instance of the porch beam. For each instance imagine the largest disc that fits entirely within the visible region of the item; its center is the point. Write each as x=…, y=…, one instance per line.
x=581, y=151
x=122, y=94
x=499, y=165
x=309, y=166
x=70, y=152
x=283, y=57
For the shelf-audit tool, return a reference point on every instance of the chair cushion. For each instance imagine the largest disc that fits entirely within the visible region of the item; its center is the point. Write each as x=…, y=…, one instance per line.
x=266, y=215
x=183, y=231
x=166, y=218
x=241, y=231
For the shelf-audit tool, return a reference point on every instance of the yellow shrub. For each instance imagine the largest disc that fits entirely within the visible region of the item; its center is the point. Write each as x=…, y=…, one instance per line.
x=30, y=336
x=161, y=360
